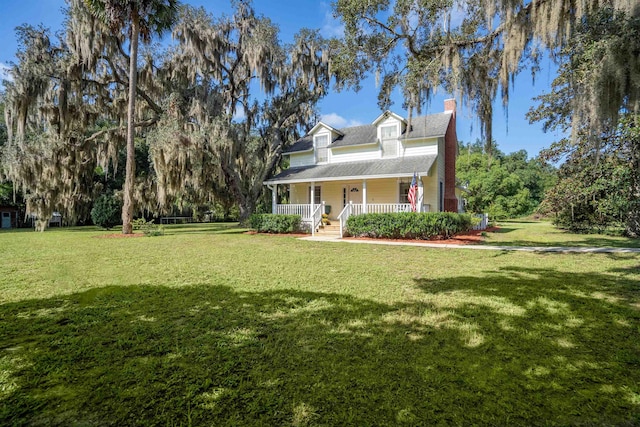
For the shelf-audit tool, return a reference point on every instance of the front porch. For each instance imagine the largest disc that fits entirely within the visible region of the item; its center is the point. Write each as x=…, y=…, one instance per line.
x=312, y=214
x=305, y=210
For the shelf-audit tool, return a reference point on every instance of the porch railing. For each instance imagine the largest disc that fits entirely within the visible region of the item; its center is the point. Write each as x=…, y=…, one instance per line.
x=344, y=215
x=304, y=210
x=316, y=218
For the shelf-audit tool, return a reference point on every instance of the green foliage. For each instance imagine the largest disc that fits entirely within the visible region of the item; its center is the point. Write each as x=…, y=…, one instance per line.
x=148, y=228
x=598, y=83
x=270, y=223
x=409, y=225
x=599, y=187
x=106, y=211
x=504, y=186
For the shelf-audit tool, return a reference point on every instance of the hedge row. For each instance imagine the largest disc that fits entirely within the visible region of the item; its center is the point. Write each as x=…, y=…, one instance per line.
x=409, y=225
x=270, y=223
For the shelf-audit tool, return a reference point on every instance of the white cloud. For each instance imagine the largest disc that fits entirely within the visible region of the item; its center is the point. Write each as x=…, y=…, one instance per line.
x=331, y=27
x=4, y=72
x=337, y=121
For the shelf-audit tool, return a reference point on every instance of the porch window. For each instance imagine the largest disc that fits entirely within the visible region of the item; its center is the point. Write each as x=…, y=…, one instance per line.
x=322, y=152
x=317, y=197
x=404, y=192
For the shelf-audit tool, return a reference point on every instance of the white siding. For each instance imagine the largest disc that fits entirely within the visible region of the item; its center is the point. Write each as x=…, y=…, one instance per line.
x=301, y=159
x=354, y=154
x=419, y=148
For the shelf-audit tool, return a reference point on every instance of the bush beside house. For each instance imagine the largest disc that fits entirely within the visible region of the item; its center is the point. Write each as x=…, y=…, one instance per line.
x=409, y=225
x=270, y=223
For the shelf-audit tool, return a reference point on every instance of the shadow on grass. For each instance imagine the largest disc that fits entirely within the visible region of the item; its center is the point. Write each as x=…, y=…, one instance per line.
x=518, y=347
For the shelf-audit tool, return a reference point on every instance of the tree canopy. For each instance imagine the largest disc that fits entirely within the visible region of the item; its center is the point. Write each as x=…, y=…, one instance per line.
x=474, y=49
x=207, y=131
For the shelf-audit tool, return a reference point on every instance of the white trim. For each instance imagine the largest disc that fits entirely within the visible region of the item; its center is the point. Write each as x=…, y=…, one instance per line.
x=421, y=138
x=326, y=126
x=288, y=153
x=376, y=142
x=386, y=115
x=344, y=178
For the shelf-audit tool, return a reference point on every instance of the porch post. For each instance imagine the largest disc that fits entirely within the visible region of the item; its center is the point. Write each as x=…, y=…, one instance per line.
x=274, y=199
x=313, y=197
x=420, y=195
x=364, y=196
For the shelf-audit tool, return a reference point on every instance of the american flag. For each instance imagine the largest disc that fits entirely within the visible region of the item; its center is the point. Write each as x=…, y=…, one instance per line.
x=413, y=192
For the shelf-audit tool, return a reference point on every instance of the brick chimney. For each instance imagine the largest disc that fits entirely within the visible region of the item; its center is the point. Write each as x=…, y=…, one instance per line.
x=450, y=153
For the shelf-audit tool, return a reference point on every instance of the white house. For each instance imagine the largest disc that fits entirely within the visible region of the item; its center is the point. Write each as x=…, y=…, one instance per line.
x=366, y=169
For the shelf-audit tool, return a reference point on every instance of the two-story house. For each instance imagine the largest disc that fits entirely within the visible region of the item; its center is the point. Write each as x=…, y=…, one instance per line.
x=366, y=169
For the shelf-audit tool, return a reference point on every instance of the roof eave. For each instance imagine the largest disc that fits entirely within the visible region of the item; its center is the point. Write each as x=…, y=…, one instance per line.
x=417, y=138
x=355, y=145
x=286, y=153
x=343, y=178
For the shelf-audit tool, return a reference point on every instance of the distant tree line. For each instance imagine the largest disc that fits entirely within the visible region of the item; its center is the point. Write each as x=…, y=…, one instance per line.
x=502, y=185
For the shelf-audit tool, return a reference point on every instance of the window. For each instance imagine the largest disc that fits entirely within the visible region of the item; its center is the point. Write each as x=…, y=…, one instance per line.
x=322, y=152
x=441, y=198
x=389, y=136
x=317, y=197
x=344, y=197
x=404, y=191
x=389, y=132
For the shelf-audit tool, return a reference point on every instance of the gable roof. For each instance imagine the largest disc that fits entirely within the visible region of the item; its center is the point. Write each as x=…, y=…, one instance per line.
x=430, y=126
x=324, y=125
x=370, y=169
x=387, y=114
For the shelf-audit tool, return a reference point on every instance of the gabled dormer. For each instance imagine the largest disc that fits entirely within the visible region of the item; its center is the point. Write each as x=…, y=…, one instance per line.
x=322, y=136
x=389, y=127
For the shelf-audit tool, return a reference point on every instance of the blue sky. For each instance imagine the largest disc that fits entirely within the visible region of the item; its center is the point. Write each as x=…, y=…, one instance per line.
x=339, y=109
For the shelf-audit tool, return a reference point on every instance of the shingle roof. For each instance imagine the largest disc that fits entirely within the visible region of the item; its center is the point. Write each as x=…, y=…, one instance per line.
x=428, y=126
x=370, y=169
x=421, y=127
x=357, y=135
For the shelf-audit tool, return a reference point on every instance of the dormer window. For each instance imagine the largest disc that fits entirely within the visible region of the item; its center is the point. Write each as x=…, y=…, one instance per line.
x=389, y=136
x=389, y=132
x=322, y=152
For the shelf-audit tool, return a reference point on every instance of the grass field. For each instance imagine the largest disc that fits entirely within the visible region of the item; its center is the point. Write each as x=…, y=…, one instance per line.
x=543, y=233
x=210, y=326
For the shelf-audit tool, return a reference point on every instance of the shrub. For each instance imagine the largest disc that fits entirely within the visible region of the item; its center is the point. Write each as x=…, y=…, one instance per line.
x=270, y=223
x=106, y=211
x=148, y=228
x=409, y=225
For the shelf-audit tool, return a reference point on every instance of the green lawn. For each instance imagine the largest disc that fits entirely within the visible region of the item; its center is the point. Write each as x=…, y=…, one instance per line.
x=543, y=233
x=210, y=326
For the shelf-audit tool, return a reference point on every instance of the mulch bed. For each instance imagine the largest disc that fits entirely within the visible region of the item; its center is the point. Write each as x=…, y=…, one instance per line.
x=472, y=237
x=279, y=234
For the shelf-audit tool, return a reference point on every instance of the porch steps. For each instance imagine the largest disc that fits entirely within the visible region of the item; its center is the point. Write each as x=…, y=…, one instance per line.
x=329, y=230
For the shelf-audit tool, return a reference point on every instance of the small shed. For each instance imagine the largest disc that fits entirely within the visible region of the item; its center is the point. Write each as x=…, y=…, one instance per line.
x=8, y=217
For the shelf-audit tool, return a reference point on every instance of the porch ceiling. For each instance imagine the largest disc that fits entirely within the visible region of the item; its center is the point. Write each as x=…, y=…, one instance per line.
x=370, y=169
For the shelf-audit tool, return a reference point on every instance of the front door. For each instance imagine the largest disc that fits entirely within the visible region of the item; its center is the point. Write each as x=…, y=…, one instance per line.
x=351, y=193
x=6, y=220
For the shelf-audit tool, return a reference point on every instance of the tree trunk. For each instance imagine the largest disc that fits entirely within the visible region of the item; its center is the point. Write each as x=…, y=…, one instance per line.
x=130, y=170
x=247, y=206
